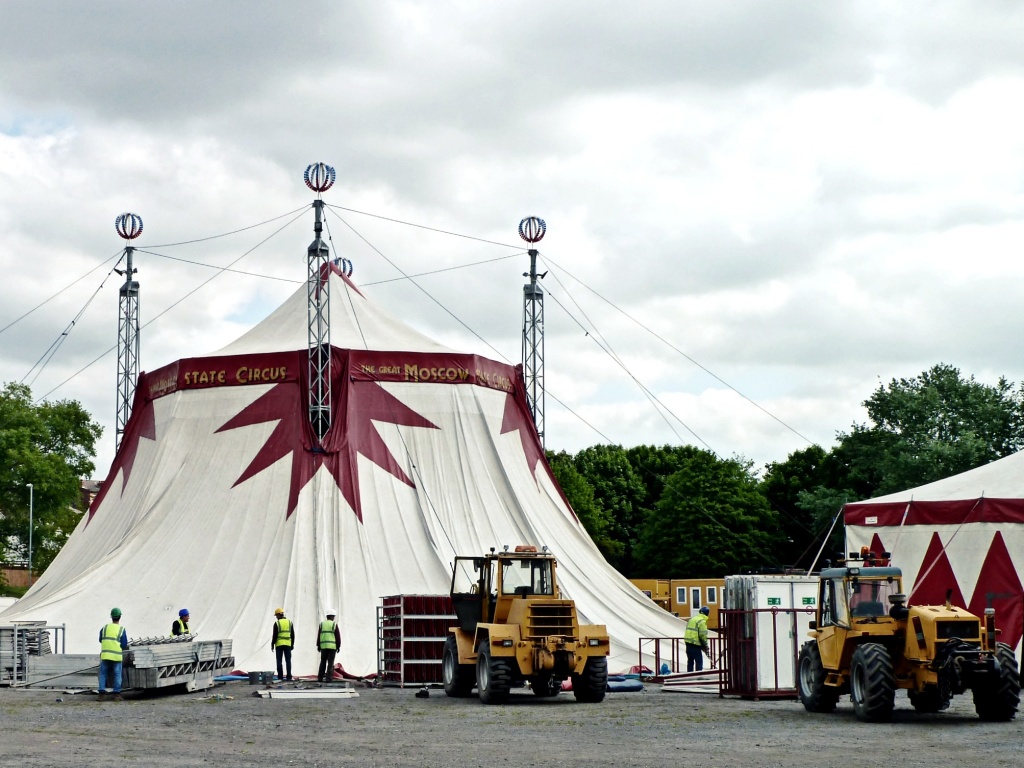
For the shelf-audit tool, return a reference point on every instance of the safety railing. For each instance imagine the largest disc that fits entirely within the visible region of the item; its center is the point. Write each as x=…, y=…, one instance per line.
x=755, y=652
x=669, y=653
x=762, y=650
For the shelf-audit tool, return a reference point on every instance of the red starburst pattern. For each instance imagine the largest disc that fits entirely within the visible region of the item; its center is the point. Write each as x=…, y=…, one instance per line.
x=141, y=424
x=362, y=403
x=517, y=418
x=513, y=420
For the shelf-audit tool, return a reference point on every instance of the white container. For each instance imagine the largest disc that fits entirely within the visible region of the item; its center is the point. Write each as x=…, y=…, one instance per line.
x=780, y=608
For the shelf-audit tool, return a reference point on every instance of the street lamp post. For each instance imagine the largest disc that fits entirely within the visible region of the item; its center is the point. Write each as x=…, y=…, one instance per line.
x=31, y=493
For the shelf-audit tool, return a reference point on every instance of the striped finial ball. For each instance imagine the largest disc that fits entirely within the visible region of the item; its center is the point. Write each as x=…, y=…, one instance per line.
x=319, y=177
x=128, y=225
x=532, y=229
x=344, y=266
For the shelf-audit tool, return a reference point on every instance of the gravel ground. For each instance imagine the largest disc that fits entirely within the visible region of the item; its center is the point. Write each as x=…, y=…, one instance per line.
x=392, y=727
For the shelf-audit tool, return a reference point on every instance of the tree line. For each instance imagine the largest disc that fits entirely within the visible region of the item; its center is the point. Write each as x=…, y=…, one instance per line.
x=669, y=511
x=50, y=446
x=683, y=512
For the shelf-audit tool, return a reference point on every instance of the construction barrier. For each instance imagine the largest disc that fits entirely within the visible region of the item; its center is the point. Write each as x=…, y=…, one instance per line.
x=753, y=654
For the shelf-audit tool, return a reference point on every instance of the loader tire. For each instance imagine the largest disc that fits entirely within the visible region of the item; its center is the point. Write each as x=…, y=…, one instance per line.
x=997, y=699
x=589, y=686
x=814, y=694
x=872, y=683
x=493, y=675
x=458, y=679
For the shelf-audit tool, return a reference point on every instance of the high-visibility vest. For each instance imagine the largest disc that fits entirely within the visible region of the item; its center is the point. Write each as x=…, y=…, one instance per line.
x=284, y=633
x=110, y=643
x=182, y=628
x=328, y=642
x=696, y=630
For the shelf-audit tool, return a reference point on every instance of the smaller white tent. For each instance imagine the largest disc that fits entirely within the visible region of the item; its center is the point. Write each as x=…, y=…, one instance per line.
x=964, y=533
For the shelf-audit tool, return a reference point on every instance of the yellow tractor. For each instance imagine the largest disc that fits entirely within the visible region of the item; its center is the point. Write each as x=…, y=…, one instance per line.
x=868, y=642
x=514, y=627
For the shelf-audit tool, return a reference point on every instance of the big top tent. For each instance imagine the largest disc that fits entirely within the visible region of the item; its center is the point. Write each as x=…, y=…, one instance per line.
x=221, y=500
x=963, y=534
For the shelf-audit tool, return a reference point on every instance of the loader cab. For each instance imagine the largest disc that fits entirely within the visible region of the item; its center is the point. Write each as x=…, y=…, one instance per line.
x=870, y=597
x=483, y=588
x=472, y=578
x=852, y=593
x=834, y=607
x=852, y=600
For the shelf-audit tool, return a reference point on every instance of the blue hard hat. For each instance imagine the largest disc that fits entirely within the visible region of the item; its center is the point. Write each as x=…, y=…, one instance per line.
x=705, y=610
x=183, y=612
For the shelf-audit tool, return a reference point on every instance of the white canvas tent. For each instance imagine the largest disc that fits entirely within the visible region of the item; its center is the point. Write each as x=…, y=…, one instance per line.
x=964, y=533
x=218, y=501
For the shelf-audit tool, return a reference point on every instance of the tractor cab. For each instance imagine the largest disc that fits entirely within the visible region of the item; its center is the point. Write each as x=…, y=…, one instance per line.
x=864, y=588
x=484, y=588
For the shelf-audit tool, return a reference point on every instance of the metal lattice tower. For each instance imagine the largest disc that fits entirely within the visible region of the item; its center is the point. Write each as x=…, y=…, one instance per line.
x=129, y=227
x=532, y=229
x=319, y=177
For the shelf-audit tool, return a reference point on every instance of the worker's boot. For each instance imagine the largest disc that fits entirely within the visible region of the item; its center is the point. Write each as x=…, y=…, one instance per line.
x=117, y=697
x=102, y=696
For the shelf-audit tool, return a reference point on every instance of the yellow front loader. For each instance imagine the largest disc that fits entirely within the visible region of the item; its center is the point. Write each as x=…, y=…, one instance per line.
x=515, y=628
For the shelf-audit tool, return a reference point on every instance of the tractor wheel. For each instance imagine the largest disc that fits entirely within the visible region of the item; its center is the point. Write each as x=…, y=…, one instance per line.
x=929, y=700
x=589, y=687
x=814, y=694
x=458, y=678
x=998, y=697
x=545, y=686
x=493, y=676
x=872, y=683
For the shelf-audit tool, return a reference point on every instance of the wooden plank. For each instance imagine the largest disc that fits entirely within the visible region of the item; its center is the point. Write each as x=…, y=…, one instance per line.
x=309, y=693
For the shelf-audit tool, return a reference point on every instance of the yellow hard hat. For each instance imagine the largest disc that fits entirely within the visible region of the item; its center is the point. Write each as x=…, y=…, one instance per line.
x=279, y=611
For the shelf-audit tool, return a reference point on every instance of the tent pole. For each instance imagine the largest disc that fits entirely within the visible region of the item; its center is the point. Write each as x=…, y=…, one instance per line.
x=825, y=541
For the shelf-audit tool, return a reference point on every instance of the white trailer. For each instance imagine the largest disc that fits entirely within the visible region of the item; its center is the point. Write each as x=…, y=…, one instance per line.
x=766, y=620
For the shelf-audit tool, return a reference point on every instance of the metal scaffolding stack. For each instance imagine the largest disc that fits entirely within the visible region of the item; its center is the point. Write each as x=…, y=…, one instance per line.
x=20, y=644
x=157, y=662
x=411, y=631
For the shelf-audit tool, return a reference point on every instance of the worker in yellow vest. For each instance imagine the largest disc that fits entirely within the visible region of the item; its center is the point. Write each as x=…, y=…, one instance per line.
x=696, y=640
x=282, y=642
x=113, y=644
x=328, y=640
x=180, y=625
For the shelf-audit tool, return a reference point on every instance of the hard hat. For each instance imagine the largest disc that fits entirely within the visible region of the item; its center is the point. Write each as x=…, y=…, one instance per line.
x=705, y=610
x=183, y=612
x=331, y=612
x=115, y=613
x=279, y=611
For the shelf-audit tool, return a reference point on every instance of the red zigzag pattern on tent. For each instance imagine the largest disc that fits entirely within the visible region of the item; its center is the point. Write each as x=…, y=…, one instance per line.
x=997, y=581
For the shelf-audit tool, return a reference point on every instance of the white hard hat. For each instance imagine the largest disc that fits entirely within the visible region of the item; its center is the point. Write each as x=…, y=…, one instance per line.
x=331, y=612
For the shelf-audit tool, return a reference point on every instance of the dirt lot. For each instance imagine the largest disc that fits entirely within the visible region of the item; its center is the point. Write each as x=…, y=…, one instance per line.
x=391, y=727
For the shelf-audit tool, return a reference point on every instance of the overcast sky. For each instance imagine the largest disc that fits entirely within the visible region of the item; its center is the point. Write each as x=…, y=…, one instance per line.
x=758, y=211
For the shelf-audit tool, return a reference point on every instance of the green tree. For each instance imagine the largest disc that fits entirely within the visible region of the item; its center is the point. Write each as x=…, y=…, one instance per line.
x=580, y=494
x=51, y=446
x=785, y=485
x=654, y=465
x=935, y=425
x=619, y=491
x=711, y=520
